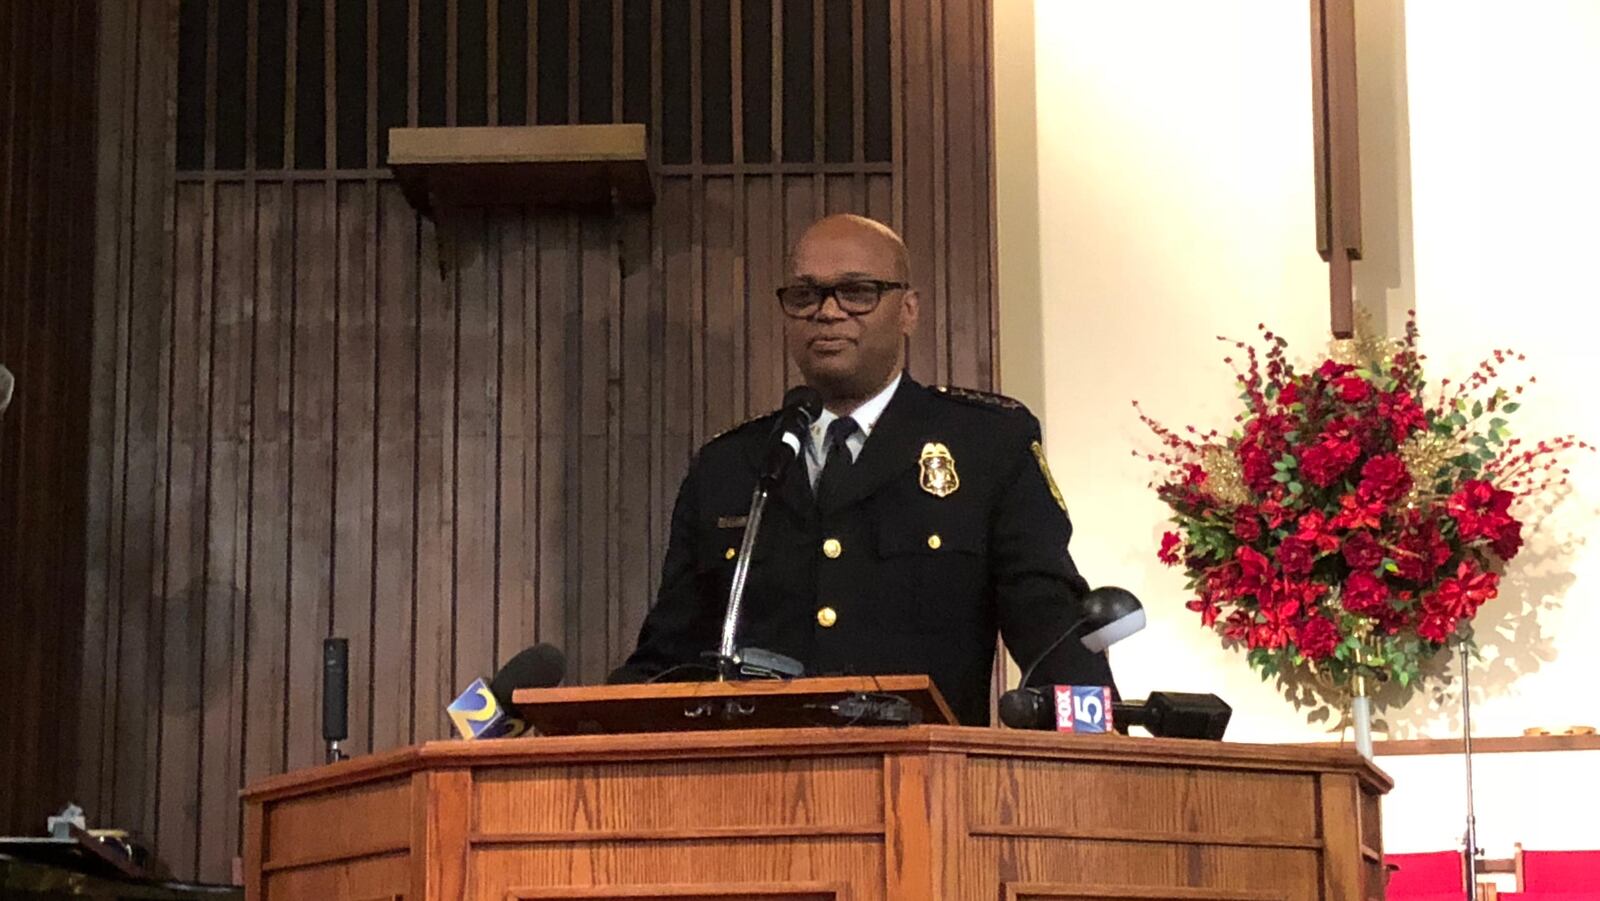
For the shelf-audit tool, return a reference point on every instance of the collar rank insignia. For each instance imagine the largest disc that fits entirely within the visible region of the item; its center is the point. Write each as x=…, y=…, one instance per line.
x=938, y=476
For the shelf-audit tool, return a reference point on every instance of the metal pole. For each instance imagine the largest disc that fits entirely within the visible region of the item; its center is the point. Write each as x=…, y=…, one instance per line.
x=1466, y=746
x=741, y=571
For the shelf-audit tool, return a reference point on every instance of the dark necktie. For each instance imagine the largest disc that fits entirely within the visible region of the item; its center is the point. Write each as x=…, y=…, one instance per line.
x=836, y=465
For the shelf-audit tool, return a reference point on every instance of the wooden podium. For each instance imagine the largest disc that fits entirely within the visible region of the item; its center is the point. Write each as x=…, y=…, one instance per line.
x=910, y=814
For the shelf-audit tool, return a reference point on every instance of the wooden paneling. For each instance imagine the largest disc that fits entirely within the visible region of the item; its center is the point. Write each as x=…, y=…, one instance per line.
x=47, y=261
x=316, y=413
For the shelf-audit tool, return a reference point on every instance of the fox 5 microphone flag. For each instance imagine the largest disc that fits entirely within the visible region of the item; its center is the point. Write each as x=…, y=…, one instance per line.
x=1083, y=708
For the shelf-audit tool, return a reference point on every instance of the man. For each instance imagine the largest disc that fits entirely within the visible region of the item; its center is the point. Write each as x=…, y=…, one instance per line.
x=921, y=520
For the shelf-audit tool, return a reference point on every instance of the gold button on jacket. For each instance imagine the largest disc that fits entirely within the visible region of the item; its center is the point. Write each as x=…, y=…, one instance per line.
x=832, y=549
x=826, y=617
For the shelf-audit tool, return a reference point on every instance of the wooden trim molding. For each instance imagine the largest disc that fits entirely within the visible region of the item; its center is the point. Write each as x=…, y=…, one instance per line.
x=709, y=833
x=796, y=891
x=1507, y=744
x=1028, y=891
x=782, y=743
x=1146, y=837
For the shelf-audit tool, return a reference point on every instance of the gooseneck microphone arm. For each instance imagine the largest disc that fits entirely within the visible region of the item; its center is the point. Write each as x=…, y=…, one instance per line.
x=801, y=405
x=727, y=661
x=1023, y=683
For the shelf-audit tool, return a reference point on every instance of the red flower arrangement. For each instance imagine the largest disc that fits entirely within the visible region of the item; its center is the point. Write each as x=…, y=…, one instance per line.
x=1351, y=526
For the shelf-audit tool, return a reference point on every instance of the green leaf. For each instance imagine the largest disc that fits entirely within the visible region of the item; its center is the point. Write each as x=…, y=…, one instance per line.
x=1281, y=477
x=1390, y=566
x=1512, y=407
x=1296, y=488
x=1477, y=409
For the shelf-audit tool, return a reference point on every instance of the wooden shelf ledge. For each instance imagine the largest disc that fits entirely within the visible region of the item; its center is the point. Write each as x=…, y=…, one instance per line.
x=1510, y=744
x=568, y=166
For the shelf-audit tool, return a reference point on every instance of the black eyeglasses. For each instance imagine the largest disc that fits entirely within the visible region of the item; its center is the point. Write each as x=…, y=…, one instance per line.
x=856, y=297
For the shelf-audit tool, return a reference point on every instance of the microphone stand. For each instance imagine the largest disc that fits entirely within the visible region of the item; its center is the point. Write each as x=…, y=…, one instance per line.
x=727, y=657
x=1471, y=837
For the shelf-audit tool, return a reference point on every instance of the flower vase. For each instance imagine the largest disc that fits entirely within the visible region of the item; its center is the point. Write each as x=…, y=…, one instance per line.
x=1361, y=719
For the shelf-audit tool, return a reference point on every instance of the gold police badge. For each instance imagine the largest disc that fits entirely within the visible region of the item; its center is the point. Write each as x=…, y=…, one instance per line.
x=938, y=476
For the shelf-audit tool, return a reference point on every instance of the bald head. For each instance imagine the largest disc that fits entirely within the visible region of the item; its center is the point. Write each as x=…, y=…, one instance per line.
x=874, y=239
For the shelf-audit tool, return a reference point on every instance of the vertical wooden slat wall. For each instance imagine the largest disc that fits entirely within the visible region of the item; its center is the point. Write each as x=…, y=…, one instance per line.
x=316, y=413
x=47, y=257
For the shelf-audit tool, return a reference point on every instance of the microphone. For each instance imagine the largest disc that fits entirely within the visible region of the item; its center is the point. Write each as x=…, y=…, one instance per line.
x=801, y=407
x=483, y=710
x=1177, y=714
x=1113, y=614
x=335, y=695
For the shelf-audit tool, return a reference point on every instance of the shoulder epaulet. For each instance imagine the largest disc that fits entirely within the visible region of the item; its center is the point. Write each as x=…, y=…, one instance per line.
x=737, y=426
x=983, y=398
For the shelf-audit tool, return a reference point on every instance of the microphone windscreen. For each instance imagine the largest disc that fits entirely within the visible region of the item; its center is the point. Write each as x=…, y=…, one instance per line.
x=541, y=666
x=335, y=689
x=1113, y=632
x=1022, y=709
x=804, y=398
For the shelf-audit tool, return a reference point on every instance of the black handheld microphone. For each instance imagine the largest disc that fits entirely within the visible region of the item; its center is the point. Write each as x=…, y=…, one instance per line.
x=335, y=695
x=801, y=407
x=1177, y=714
x=485, y=710
x=541, y=666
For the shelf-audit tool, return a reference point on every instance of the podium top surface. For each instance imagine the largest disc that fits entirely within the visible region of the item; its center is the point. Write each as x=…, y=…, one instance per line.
x=819, y=742
x=687, y=706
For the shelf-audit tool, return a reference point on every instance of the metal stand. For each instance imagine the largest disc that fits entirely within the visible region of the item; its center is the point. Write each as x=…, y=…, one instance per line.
x=1466, y=747
x=727, y=652
x=334, y=753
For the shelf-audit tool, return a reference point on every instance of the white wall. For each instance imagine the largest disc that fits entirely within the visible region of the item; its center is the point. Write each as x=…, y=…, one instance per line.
x=1174, y=203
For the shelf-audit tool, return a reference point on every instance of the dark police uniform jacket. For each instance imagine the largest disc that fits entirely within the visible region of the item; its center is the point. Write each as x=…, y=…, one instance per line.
x=889, y=577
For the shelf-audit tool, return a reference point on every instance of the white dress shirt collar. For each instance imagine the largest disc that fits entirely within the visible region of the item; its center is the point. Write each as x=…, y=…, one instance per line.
x=866, y=417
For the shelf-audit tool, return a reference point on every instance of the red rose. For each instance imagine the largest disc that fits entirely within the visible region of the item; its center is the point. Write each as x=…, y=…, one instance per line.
x=1421, y=549
x=1507, y=539
x=1289, y=394
x=1403, y=414
x=1436, y=628
x=1317, y=638
x=1255, y=463
x=1254, y=569
x=1296, y=556
x=1274, y=512
x=1354, y=513
x=1364, y=594
x=1268, y=635
x=1384, y=479
x=1330, y=370
x=1362, y=551
x=1352, y=388
x=1246, y=524
x=1324, y=462
x=1479, y=509
x=1170, y=544
x=1449, y=599
x=1314, y=527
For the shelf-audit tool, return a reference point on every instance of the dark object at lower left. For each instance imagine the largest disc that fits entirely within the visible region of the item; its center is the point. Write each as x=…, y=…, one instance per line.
x=46, y=868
